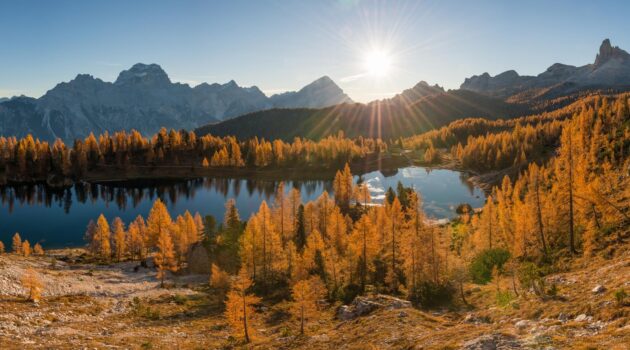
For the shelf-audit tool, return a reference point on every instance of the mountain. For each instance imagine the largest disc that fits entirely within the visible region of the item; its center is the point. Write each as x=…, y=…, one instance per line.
x=323, y=92
x=611, y=69
x=144, y=98
x=415, y=110
x=3, y=99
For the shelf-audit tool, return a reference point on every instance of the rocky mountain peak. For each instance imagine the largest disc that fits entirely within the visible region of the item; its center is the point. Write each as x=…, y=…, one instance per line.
x=608, y=52
x=143, y=74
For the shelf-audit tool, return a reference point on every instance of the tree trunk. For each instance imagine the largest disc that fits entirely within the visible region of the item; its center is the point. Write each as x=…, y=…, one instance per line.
x=245, y=318
x=571, y=231
x=461, y=292
x=541, y=231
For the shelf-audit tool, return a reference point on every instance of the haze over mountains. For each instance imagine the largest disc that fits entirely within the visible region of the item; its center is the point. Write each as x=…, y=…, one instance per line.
x=144, y=98
x=426, y=107
x=610, y=69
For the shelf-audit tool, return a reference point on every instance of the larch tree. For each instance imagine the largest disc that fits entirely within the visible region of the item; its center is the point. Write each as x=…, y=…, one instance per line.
x=102, y=238
x=393, y=241
x=26, y=248
x=33, y=284
x=343, y=188
x=1, y=247
x=164, y=257
x=17, y=243
x=37, y=249
x=120, y=239
x=306, y=294
x=364, y=245
x=158, y=222
x=239, y=306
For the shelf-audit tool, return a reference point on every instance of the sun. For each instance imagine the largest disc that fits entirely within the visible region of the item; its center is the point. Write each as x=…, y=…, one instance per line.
x=377, y=63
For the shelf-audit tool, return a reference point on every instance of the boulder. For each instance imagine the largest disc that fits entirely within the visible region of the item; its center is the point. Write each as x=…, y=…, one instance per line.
x=363, y=305
x=198, y=260
x=598, y=289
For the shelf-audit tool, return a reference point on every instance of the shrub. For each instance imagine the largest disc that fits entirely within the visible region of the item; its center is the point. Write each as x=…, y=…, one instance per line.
x=429, y=294
x=620, y=296
x=504, y=298
x=482, y=265
x=348, y=293
x=531, y=276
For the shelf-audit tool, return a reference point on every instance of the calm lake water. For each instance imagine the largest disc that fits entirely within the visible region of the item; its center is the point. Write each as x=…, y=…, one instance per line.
x=58, y=218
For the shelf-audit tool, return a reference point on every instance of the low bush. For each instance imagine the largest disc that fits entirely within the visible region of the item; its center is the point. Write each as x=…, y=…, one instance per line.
x=429, y=294
x=482, y=264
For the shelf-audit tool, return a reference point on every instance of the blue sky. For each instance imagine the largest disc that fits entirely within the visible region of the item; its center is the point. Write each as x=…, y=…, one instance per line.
x=283, y=45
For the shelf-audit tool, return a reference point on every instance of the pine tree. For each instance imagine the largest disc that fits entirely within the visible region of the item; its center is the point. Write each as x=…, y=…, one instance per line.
x=239, y=309
x=306, y=294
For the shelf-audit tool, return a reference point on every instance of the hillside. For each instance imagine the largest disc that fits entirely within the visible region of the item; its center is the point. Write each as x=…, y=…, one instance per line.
x=412, y=112
x=115, y=306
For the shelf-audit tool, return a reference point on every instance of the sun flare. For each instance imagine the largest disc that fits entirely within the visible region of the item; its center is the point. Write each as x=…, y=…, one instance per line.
x=377, y=63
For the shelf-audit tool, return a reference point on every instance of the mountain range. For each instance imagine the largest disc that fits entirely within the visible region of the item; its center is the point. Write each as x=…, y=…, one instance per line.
x=610, y=69
x=144, y=98
x=425, y=107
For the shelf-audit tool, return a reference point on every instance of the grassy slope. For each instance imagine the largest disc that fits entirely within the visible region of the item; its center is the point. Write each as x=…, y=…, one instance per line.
x=189, y=317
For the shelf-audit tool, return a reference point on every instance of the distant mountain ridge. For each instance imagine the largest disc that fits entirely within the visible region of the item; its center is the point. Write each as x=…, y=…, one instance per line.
x=415, y=110
x=610, y=69
x=144, y=98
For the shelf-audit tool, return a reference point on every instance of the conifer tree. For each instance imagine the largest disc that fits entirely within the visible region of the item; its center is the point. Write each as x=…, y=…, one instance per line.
x=239, y=309
x=102, y=238
x=306, y=293
x=37, y=249
x=26, y=248
x=17, y=243
x=164, y=257
x=120, y=240
x=1, y=247
x=158, y=222
x=32, y=283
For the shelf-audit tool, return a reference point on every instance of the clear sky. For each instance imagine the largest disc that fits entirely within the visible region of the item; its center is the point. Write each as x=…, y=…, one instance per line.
x=283, y=45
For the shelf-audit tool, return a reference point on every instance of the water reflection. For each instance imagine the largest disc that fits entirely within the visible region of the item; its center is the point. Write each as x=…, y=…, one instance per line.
x=58, y=217
x=134, y=193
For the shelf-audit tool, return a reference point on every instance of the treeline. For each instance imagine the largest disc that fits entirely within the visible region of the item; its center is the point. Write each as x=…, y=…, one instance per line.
x=27, y=158
x=170, y=239
x=484, y=145
x=579, y=201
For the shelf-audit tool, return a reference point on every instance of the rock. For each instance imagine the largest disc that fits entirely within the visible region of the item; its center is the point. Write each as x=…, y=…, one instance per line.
x=363, y=305
x=598, y=289
x=492, y=342
x=563, y=317
x=522, y=325
x=403, y=314
x=581, y=318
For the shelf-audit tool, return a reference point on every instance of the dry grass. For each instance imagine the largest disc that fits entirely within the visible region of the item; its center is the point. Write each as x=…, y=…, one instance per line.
x=191, y=318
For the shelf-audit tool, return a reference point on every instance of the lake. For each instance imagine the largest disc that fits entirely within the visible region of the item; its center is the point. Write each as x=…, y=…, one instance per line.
x=58, y=218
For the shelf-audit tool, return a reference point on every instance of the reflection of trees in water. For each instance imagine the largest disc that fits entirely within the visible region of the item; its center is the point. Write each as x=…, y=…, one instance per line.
x=135, y=192
x=463, y=177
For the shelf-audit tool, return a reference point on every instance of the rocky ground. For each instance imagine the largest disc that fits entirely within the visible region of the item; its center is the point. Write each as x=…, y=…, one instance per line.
x=86, y=306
